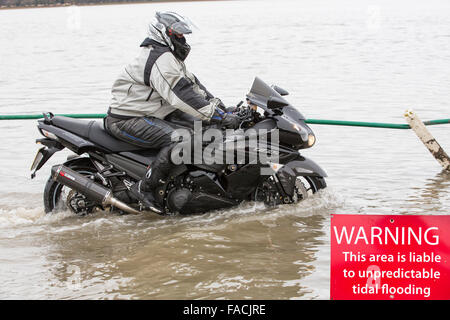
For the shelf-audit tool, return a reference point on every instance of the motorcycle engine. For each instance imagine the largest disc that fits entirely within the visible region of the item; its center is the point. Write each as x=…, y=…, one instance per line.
x=177, y=198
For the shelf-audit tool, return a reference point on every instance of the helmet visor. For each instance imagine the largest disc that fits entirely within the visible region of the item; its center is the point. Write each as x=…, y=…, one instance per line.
x=175, y=23
x=179, y=28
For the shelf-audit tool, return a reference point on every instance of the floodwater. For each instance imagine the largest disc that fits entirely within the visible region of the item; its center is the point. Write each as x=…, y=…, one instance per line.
x=346, y=60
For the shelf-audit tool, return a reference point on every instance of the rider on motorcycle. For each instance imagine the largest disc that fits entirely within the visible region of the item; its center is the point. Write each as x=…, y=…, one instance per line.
x=153, y=86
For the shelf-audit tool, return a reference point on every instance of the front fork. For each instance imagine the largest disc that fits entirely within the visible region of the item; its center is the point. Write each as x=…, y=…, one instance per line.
x=286, y=177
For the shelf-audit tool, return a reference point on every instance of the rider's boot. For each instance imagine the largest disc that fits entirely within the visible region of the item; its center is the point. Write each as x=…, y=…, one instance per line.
x=145, y=189
x=146, y=198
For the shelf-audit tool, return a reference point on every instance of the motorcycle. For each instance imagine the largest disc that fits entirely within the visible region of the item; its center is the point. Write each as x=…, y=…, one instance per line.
x=102, y=169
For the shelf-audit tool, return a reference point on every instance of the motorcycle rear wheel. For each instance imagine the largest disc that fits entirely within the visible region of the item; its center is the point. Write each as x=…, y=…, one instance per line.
x=57, y=196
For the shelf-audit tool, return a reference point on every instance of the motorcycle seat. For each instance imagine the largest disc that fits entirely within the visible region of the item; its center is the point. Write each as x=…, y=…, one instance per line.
x=93, y=131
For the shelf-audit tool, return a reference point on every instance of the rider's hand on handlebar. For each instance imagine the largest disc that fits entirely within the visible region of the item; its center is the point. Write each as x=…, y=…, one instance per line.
x=231, y=110
x=230, y=121
x=225, y=120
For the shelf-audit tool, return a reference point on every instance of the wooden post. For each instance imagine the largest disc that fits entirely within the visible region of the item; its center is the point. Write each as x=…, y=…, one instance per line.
x=428, y=140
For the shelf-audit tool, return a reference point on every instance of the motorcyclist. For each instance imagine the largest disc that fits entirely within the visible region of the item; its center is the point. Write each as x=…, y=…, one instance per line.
x=153, y=86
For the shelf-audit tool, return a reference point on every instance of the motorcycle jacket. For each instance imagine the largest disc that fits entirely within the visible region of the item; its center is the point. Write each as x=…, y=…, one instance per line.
x=156, y=83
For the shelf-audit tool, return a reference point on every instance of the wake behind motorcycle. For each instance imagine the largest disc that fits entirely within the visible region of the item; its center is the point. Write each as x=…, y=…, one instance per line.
x=102, y=169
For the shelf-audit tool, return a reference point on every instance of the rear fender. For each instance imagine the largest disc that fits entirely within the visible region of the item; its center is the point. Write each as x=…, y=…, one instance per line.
x=44, y=154
x=78, y=160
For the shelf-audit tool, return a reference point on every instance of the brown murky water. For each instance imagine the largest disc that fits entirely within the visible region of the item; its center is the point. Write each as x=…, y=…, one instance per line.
x=357, y=60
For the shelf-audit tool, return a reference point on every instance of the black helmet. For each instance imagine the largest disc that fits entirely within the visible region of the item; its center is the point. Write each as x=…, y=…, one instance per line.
x=169, y=28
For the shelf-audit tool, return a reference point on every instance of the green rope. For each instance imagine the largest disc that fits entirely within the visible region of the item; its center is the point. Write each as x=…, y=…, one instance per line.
x=358, y=124
x=433, y=122
x=311, y=121
x=40, y=116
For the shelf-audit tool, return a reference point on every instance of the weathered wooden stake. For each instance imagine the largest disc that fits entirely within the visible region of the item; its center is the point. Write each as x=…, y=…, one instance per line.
x=428, y=140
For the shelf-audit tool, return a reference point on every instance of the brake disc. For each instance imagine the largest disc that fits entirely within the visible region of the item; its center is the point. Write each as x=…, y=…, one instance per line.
x=78, y=203
x=300, y=191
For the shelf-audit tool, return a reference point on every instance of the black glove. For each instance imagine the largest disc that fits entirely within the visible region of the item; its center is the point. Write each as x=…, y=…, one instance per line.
x=225, y=120
x=231, y=109
x=230, y=121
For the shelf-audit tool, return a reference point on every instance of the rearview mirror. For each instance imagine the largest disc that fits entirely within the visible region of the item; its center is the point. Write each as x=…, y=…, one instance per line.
x=276, y=102
x=281, y=91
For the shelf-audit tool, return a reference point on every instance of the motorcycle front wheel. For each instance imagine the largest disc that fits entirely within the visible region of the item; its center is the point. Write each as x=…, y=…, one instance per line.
x=305, y=186
x=315, y=183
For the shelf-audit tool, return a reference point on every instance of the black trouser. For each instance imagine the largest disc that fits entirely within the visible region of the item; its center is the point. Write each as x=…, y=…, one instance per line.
x=147, y=132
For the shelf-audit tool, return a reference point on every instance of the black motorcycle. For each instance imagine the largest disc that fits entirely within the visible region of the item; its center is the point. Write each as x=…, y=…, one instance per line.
x=98, y=176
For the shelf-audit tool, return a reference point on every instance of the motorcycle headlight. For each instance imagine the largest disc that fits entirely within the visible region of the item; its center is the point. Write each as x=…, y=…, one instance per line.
x=311, y=140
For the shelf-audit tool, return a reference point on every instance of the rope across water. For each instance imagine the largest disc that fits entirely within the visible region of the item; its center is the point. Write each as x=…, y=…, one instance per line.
x=311, y=121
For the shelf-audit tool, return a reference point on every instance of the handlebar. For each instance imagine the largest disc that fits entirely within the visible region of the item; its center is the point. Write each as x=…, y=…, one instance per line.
x=245, y=114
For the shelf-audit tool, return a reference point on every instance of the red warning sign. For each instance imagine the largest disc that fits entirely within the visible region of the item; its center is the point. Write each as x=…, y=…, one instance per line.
x=383, y=257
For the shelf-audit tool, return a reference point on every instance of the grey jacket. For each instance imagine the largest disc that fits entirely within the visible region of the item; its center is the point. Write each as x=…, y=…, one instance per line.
x=156, y=83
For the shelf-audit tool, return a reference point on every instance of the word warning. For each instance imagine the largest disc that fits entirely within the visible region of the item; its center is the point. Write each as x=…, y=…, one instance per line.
x=383, y=257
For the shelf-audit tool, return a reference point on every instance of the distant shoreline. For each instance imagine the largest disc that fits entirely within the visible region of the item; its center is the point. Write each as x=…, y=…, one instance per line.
x=93, y=3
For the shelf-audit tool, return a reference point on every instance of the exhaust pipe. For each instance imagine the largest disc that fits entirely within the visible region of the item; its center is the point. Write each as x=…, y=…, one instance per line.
x=87, y=187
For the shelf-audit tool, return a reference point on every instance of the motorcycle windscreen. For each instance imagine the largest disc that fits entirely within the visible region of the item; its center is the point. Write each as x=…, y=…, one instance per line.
x=262, y=89
x=261, y=92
